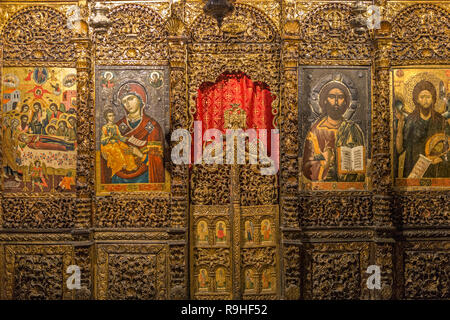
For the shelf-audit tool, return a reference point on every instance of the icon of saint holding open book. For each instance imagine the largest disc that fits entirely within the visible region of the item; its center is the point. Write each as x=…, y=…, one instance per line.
x=334, y=148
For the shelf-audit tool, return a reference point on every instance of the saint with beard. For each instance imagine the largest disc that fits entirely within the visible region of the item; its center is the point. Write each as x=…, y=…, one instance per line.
x=418, y=127
x=328, y=134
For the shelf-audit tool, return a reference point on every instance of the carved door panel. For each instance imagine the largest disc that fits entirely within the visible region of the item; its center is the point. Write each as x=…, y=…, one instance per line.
x=234, y=223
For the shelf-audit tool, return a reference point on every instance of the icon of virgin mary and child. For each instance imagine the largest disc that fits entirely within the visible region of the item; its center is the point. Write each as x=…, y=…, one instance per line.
x=132, y=147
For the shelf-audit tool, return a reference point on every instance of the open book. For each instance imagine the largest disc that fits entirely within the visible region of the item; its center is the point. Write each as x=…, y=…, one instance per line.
x=351, y=159
x=420, y=167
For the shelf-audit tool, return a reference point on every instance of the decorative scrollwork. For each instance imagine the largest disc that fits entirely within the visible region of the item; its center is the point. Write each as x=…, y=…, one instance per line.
x=38, y=33
x=327, y=34
x=137, y=33
x=132, y=272
x=120, y=212
x=255, y=188
x=210, y=185
x=419, y=33
x=19, y=213
x=426, y=270
x=329, y=209
x=245, y=24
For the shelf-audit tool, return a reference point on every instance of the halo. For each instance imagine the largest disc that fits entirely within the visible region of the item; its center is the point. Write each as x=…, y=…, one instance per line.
x=41, y=101
x=433, y=141
x=50, y=125
x=411, y=83
x=341, y=83
x=155, y=72
x=63, y=120
x=108, y=75
x=313, y=99
x=20, y=115
x=116, y=101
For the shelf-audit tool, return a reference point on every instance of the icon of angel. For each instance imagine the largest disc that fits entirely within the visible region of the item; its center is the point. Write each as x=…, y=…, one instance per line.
x=155, y=79
x=107, y=79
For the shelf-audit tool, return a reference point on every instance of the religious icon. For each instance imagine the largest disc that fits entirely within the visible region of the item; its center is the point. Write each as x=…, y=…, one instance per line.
x=267, y=279
x=114, y=148
x=203, y=280
x=107, y=78
x=266, y=230
x=249, y=279
x=155, y=79
x=421, y=127
x=220, y=278
x=202, y=232
x=335, y=143
x=11, y=81
x=38, y=174
x=40, y=75
x=221, y=231
x=69, y=80
x=36, y=118
x=67, y=182
x=29, y=74
x=56, y=89
x=130, y=133
x=249, y=231
x=39, y=147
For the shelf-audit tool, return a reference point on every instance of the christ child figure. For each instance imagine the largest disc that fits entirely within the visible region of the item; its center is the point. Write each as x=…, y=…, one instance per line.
x=113, y=147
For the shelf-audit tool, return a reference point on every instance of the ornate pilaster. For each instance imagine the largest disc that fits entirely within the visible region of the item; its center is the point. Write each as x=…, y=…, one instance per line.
x=1, y=139
x=289, y=171
x=381, y=168
x=85, y=158
x=85, y=121
x=179, y=252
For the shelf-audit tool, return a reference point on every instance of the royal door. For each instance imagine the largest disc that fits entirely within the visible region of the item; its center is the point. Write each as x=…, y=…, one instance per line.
x=234, y=205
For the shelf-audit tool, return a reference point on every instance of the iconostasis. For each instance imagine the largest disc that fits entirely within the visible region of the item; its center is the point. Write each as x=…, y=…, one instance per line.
x=354, y=119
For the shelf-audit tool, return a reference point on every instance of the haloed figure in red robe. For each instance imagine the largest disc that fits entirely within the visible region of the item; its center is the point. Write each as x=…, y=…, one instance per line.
x=144, y=137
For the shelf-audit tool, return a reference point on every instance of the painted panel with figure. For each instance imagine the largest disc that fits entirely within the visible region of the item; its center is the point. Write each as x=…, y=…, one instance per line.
x=132, y=119
x=39, y=129
x=421, y=127
x=334, y=119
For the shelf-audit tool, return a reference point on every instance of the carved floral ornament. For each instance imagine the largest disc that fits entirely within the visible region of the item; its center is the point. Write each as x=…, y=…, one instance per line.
x=247, y=39
x=420, y=31
x=29, y=36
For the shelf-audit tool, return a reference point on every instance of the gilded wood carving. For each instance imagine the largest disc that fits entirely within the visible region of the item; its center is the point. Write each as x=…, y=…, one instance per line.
x=248, y=236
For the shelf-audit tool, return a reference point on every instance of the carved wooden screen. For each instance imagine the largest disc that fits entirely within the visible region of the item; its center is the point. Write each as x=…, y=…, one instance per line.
x=135, y=209
x=223, y=197
x=38, y=157
x=234, y=206
x=57, y=214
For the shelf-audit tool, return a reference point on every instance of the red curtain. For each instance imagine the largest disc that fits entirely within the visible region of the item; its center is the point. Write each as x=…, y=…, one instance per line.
x=235, y=88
